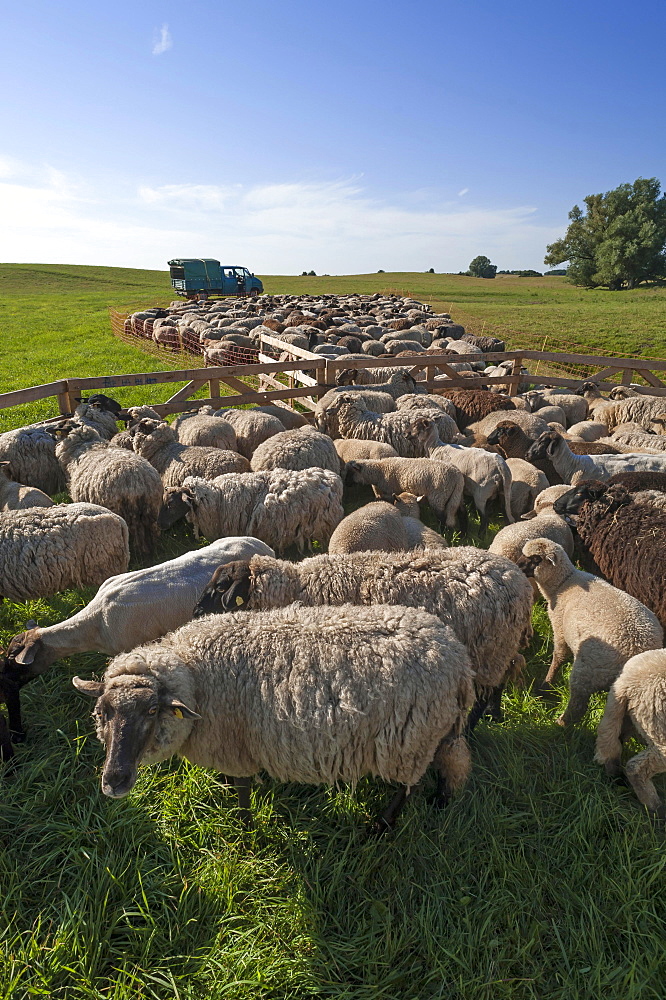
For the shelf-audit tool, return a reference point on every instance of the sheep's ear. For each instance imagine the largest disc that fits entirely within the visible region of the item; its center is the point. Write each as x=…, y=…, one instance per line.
x=28, y=651
x=31, y=623
x=6, y=469
x=420, y=499
x=94, y=689
x=180, y=709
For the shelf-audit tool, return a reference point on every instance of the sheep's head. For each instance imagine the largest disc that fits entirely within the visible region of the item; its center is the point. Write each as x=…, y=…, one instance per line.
x=6, y=470
x=545, y=446
x=134, y=716
x=588, y=389
x=346, y=376
x=424, y=433
x=610, y=495
x=149, y=428
x=407, y=504
x=177, y=503
x=229, y=589
x=505, y=432
x=27, y=655
x=540, y=552
x=102, y=402
x=622, y=392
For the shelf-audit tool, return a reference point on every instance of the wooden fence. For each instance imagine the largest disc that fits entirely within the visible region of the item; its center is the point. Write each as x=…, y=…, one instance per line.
x=309, y=376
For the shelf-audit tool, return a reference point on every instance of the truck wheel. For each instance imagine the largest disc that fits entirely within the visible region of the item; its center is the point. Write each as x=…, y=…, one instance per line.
x=254, y=293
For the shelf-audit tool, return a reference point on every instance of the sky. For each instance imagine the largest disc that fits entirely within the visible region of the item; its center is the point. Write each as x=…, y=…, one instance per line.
x=339, y=138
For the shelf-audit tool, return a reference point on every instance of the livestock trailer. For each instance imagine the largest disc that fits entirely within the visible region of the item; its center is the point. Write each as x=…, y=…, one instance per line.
x=200, y=277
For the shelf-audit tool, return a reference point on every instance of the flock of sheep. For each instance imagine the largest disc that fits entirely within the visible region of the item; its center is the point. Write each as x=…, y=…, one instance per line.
x=379, y=657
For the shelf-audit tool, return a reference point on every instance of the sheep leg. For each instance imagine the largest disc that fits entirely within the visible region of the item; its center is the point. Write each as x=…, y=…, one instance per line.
x=639, y=771
x=494, y=707
x=454, y=764
x=560, y=653
x=13, y=703
x=580, y=693
x=6, y=748
x=244, y=809
x=387, y=817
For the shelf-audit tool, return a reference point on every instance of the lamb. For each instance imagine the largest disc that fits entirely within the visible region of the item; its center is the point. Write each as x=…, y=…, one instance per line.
x=127, y=610
x=601, y=626
x=638, y=696
x=349, y=449
x=326, y=418
x=376, y=526
x=410, y=434
x=44, y=550
x=15, y=496
x=542, y=522
x=553, y=446
x=156, y=442
x=203, y=428
x=485, y=476
x=485, y=598
x=442, y=485
x=132, y=416
x=533, y=426
x=641, y=442
x=447, y=429
x=419, y=536
x=288, y=418
x=279, y=506
x=426, y=401
x=575, y=407
x=114, y=478
x=398, y=384
x=527, y=483
x=301, y=448
x=99, y=417
x=307, y=695
x=643, y=410
x=625, y=539
x=31, y=454
x=596, y=403
x=472, y=405
x=252, y=428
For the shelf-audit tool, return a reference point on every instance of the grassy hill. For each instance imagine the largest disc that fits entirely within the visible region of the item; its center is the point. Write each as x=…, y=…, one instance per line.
x=541, y=882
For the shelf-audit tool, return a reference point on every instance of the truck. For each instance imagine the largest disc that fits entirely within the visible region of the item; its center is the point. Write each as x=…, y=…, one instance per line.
x=199, y=278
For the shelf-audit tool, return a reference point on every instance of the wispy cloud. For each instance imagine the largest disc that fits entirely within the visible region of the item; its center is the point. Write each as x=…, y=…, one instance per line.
x=334, y=227
x=464, y=191
x=164, y=41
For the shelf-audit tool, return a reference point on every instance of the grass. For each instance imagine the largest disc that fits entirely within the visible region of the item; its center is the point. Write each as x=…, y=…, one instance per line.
x=541, y=881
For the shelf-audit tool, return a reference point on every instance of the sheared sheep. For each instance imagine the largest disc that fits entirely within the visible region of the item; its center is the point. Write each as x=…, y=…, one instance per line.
x=15, y=496
x=569, y=465
x=349, y=449
x=288, y=418
x=601, y=626
x=156, y=442
x=309, y=695
x=527, y=483
x=442, y=485
x=472, y=405
x=485, y=476
x=252, y=427
x=281, y=507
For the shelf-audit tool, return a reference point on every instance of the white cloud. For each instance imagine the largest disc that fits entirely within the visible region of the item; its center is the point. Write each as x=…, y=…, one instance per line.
x=334, y=227
x=164, y=41
x=464, y=191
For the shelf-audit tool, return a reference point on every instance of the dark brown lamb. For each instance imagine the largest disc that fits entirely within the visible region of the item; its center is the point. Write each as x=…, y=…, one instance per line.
x=475, y=404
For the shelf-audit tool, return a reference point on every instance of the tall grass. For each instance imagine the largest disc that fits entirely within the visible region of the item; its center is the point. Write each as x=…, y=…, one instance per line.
x=542, y=881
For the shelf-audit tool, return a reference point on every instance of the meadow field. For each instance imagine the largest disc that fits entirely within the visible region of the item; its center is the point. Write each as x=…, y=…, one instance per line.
x=542, y=881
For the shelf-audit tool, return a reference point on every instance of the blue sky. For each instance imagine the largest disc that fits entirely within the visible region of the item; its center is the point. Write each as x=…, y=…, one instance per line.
x=340, y=138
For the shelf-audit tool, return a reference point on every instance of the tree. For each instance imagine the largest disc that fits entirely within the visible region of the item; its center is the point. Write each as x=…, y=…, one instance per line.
x=482, y=268
x=619, y=241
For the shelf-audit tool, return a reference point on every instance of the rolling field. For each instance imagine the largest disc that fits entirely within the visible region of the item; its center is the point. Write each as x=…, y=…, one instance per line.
x=542, y=881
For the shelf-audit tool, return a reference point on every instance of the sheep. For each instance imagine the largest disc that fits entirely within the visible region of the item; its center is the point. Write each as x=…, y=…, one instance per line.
x=15, y=496
x=641, y=442
x=375, y=526
x=596, y=403
x=479, y=432
x=569, y=465
x=425, y=401
x=132, y=416
x=527, y=483
x=588, y=430
x=511, y=441
x=44, y=550
x=442, y=485
x=575, y=407
x=304, y=694
x=410, y=434
x=301, y=448
x=485, y=598
x=98, y=417
x=654, y=498
x=638, y=696
x=288, y=418
x=625, y=539
x=403, y=347
x=156, y=442
x=601, y=626
x=325, y=414
x=643, y=410
x=114, y=478
x=541, y=522
x=252, y=428
x=349, y=449
x=553, y=415
x=205, y=429
x=447, y=429
x=279, y=506
x=635, y=481
x=488, y=345
x=128, y=609
x=31, y=454
x=397, y=384
x=419, y=536
x=485, y=476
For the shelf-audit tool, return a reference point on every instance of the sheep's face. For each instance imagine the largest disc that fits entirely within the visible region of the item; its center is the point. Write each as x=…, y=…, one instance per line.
x=544, y=446
x=177, y=503
x=129, y=713
x=346, y=376
x=354, y=473
x=503, y=433
x=27, y=656
x=570, y=503
x=229, y=589
x=590, y=390
x=425, y=433
x=538, y=555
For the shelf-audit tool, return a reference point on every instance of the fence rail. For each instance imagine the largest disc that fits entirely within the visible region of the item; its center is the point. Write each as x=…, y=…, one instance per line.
x=308, y=376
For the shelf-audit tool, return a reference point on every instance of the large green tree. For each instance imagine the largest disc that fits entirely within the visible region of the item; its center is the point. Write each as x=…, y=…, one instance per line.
x=619, y=241
x=481, y=267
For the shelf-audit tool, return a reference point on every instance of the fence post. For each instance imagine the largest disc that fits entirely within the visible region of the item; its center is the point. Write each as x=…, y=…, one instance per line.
x=514, y=381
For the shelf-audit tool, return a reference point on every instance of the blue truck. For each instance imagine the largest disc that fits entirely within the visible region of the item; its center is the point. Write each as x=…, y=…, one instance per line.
x=198, y=278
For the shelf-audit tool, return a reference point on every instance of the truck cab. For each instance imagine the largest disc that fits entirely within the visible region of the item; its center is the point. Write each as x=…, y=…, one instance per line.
x=204, y=276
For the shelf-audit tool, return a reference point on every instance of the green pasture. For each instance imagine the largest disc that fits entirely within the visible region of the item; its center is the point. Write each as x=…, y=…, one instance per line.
x=542, y=881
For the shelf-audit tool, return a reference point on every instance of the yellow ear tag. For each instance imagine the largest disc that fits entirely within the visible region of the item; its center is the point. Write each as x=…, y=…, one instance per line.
x=178, y=713
x=239, y=600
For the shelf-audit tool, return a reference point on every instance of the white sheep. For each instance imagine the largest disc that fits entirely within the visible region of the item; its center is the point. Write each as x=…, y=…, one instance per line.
x=485, y=476
x=156, y=441
x=527, y=482
x=419, y=535
x=442, y=485
x=114, y=478
x=306, y=694
x=300, y=448
x=251, y=427
x=15, y=496
x=280, y=506
x=573, y=468
x=44, y=550
x=637, y=697
x=598, y=624
x=31, y=454
x=202, y=427
x=541, y=522
x=349, y=449
x=411, y=434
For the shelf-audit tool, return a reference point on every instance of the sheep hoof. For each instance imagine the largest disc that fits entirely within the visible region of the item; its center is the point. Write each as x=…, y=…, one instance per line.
x=613, y=769
x=380, y=827
x=19, y=737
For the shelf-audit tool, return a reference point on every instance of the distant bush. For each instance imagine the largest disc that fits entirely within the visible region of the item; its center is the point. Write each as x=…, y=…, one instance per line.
x=312, y=274
x=526, y=273
x=430, y=270
x=380, y=271
x=557, y=271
